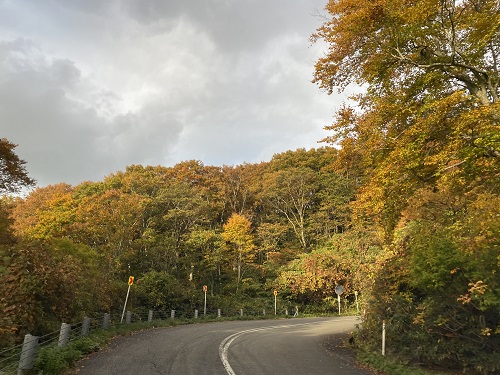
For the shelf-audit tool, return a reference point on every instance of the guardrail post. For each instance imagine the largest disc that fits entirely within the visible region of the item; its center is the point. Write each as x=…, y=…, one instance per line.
x=286, y=312
x=105, y=321
x=263, y=311
x=241, y=312
x=196, y=314
x=64, y=335
x=128, y=318
x=150, y=316
x=218, y=313
x=172, y=314
x=28, y=352
x=85, y=327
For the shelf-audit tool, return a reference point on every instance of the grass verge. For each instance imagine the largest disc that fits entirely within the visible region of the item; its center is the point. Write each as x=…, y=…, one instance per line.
x=392, y=366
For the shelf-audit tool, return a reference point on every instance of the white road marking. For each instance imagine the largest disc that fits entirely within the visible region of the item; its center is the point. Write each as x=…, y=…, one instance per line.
x=224, y=345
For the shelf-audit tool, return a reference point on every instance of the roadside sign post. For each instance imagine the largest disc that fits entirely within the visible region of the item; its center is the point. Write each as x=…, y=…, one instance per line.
x=130, y=282
x=339, y=289
x=205, y=303
x=275, y=304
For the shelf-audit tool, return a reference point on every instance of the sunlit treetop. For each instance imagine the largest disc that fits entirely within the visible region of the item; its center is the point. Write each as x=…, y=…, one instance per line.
x=377, y=41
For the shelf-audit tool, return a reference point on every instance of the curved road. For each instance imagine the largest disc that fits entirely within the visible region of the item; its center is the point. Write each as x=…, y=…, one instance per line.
x=299, y=346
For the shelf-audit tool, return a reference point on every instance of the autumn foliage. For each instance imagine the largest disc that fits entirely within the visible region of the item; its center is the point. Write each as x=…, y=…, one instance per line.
x=403, y=211
x=424, y=136
x=173, y=228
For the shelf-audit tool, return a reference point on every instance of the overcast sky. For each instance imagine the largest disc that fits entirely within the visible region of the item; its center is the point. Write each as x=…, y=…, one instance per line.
x=88, y=87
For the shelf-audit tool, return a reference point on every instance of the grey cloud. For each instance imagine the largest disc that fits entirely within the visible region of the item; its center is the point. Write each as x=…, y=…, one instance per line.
x=38, y=115
x=89, y=87
x=61, y=136
x=235, y=24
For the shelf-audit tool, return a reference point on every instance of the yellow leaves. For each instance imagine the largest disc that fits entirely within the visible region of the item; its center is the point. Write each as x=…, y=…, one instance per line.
x=419, y=319
x=45, y=213
x=316, y=274
x=479, y=287
x=464, y=299
x=476, y=290
x=486, y=331
x=238, y=237
x=237, y=230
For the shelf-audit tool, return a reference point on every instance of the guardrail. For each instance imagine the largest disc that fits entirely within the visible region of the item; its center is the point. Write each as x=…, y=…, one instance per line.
x=21, y=358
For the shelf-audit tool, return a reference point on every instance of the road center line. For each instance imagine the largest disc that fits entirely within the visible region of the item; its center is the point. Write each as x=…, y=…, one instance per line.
x=224, y=345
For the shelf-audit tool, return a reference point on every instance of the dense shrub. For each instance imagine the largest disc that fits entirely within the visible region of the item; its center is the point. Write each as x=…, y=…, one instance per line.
x=439, y=299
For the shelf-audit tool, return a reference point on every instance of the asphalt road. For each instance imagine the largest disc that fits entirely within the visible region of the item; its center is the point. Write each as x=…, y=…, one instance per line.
x=309, y=346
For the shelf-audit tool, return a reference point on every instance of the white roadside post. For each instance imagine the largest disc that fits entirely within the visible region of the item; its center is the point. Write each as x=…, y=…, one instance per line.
x=205, y=303
x=275, y=304
x=383, y=337
x=339, y=289
x=130, y=282
x=357, y=304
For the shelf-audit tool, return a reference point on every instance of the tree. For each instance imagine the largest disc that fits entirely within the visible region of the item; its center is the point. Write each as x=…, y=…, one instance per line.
x=313, y=276
x=440, y=284
x=6, y=233
x=46, y=213
x=425, y=134
x=46, y=282
x=110, y=222
x=205, y=180
x=237, y=185
x=333, y=212
x=292, y=194
x=136, y=179
x=431, y=107
x=270, y=237
x=456, y=42
x=177, y=210
x=303, y=189
x=207, y=257
x=13, y=174
x=237, y=234
x=160, y=290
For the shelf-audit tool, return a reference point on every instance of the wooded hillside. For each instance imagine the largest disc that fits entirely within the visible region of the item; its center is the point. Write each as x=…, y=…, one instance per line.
x=69, y=250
